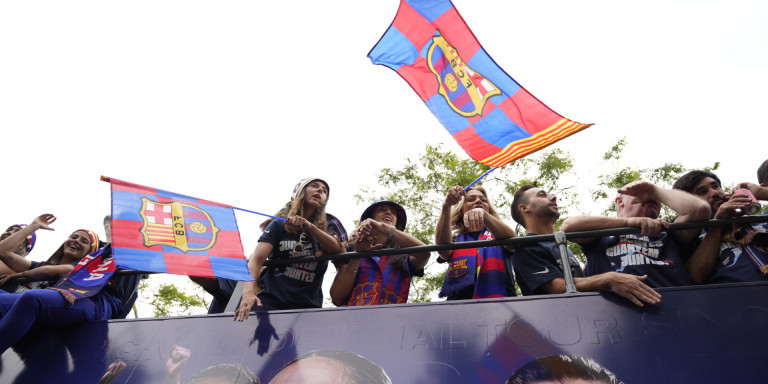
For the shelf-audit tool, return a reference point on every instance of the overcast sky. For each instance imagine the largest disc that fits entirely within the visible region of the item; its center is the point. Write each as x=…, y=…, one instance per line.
x=236, y=101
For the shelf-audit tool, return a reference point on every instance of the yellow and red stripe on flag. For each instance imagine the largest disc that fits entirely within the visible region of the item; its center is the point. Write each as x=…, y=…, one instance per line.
x=487, y=112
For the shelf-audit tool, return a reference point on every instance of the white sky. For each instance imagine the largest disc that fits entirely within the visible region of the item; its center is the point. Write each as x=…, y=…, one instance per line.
x=236, y=101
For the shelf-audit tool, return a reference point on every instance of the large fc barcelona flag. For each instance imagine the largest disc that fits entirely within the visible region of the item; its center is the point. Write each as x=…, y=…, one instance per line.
x=160, y=231
x=486, y=111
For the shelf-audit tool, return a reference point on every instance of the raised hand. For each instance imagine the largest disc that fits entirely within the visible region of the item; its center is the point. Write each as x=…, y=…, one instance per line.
x=177, y=359
x=643, y=190
x=44, y=221
x=454, y=195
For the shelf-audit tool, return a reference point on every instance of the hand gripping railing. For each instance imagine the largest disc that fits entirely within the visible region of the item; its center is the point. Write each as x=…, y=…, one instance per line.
x=559, y=237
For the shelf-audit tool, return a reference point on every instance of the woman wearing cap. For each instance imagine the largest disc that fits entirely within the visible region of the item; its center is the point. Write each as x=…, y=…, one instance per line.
x=77, y=245
x=306, y=231
x=375, y=280
x=474, y=273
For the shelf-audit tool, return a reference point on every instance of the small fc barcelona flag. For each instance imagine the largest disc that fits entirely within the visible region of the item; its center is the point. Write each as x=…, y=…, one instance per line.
x=159, y=231
x=487, y=112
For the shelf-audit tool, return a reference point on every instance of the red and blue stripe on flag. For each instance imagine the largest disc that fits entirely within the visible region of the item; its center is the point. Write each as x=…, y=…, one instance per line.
x=159, y=231
x=486, y=111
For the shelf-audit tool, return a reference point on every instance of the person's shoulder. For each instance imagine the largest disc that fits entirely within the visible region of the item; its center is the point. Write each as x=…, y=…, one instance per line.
x=278, y=225
x=335, y=226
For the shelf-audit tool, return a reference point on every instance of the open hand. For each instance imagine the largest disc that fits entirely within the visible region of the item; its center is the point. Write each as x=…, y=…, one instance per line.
x=43, y=221
x=633, y=288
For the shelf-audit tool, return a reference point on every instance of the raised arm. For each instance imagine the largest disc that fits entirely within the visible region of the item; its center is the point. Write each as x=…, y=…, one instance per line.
x=251, y=288
x=13, y=261
x=760, y=192
x=443, y=233
x=702, y=263
x=687, y=206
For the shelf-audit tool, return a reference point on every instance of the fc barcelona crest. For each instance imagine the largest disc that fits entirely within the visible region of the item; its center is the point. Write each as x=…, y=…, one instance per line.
x=465, y=90
x=182, y=226
x=457, y=268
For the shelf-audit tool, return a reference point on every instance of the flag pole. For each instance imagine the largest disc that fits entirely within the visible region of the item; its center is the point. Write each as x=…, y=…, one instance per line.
x=259, y=213
x=107, y=179
x=479, y=178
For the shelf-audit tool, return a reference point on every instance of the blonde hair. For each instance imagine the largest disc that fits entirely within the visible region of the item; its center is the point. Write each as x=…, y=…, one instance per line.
x=296, y=208
x=457, y=214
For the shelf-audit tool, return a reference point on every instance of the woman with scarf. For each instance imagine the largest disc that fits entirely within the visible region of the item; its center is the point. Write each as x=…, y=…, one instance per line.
x=86, y=292
x=77, y=245
x=379, y=280
x=303, y=230
x=474, y=273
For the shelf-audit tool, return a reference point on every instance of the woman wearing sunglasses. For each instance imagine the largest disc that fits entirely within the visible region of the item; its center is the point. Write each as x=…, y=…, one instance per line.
x=307, y=231
x=376, y=280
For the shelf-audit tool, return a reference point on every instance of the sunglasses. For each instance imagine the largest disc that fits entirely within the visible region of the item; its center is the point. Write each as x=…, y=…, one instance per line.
x=303, y=243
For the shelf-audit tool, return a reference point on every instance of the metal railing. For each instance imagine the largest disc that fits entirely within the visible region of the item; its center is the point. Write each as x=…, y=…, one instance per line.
x=559, y=237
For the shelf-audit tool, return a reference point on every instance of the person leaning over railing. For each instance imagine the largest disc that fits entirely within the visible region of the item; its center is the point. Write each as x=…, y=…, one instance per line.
x=538, y=266
x=654, y=252
x=77, y=245
x=307, y=231
x=376, y=280
x=737, y=253
x=474, y=273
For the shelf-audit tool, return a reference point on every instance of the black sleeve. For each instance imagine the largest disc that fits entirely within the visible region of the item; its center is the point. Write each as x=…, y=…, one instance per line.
x=534, y=267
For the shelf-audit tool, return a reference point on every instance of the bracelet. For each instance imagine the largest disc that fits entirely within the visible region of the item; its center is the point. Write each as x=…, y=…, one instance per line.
x=392, y=230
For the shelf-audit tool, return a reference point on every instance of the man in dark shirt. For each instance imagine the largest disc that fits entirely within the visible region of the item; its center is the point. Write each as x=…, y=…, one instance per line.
x=538, y=267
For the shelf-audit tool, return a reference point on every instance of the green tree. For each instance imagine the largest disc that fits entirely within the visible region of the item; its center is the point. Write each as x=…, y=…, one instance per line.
x=421, y=184
x=616, y=177
x=170, y=300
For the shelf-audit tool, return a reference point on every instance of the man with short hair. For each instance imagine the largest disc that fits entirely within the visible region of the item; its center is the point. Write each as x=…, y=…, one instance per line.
x=654, y=252
x=538, y=266
x=762, y=174
x=738, y=253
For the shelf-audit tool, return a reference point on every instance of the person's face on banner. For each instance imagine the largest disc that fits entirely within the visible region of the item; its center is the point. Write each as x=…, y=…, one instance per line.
x=313, y=370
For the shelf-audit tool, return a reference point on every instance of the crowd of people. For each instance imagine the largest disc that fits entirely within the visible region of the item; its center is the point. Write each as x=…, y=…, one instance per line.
x=630, y=265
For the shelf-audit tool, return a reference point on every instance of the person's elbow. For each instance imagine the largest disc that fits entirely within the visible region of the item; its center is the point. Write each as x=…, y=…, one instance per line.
x=338, y=299
x=567, y=225
x=701, y=211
